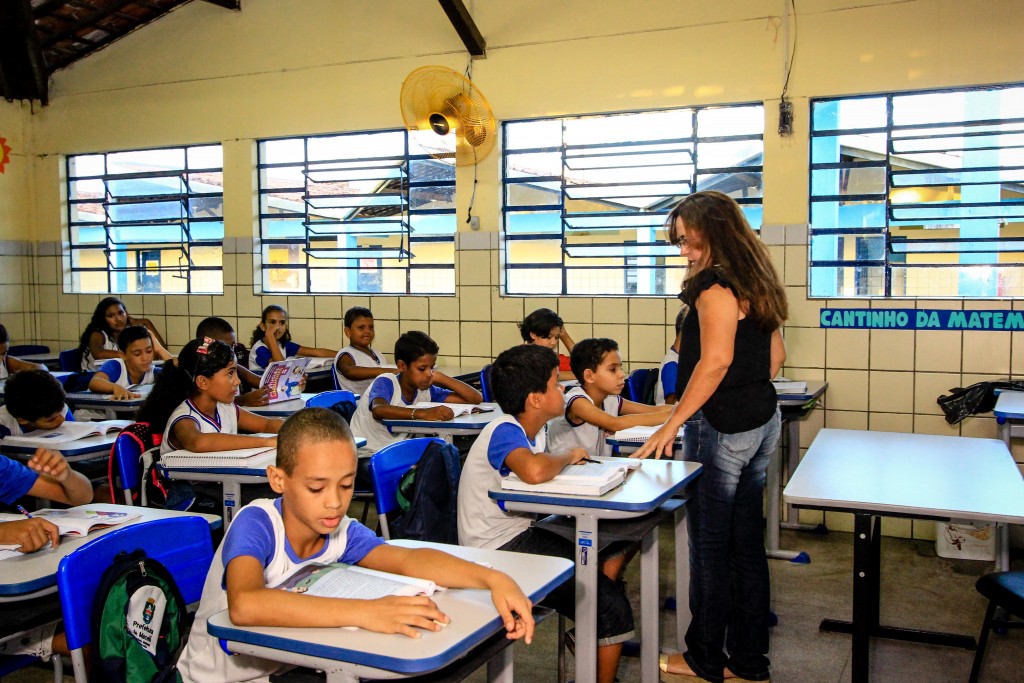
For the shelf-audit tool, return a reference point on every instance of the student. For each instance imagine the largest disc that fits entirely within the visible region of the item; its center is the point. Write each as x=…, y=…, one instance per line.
x=544, y=328
x=272, y=341
x=118, y=376
x=192, y=404
x=9, y=364
x=48, y=476
x=357, y=365
x=34, y=399
x=99, y=340
x=525, y=380
x=271, y=539
x=596, y=407
x=220, y=329
x=665, y=390
x=392, y=395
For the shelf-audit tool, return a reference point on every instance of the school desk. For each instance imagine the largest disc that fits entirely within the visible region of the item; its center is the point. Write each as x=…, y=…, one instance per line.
x=463, y=425
x=351, y=654
x=1009, y=412
x=50, y=359
x=645, y=489
x=282, y=408
x=97, y=401
x=35, y=574
x=921, y=476
x=79, y=450
x=231, y=479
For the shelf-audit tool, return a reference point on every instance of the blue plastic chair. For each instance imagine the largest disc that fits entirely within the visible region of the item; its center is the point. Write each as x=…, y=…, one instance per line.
x=387, y=467
x=635, y=383
x=70, y=360
x=182, y=544
x=485, y=383
x=126, y=463
x=327, y=399
x=27, y=349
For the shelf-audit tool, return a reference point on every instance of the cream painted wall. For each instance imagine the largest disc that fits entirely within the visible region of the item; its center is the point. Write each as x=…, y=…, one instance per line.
x=283, y=67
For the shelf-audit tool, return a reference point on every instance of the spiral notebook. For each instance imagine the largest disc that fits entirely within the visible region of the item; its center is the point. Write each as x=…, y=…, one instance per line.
x=591, y=478
x=242, y=458
x=640, y=435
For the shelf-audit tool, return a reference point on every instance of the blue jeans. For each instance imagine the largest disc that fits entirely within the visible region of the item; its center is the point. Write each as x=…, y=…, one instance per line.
x=729, y=584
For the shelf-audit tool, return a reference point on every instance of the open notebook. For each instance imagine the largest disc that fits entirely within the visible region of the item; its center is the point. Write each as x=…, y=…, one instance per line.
x=69, y=431
x=593, y=478
x=74, y=521
x=242, y=457
x=458, y=408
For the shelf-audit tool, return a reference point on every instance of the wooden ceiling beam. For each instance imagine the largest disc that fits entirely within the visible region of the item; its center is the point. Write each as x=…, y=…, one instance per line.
x=24, y=72
x=465, y=27
x=227, y=4
x=85, y=22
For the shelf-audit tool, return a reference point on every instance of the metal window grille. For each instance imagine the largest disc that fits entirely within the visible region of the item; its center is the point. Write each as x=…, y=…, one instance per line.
x=146, y=221
x=918, y=194
x=355, y=213
x=585, y=198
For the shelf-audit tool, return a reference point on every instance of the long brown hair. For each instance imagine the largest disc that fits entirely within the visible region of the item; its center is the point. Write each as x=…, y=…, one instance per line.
x=732, y=247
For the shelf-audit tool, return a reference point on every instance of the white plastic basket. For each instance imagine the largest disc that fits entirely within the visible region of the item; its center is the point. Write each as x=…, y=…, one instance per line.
x=963, y=540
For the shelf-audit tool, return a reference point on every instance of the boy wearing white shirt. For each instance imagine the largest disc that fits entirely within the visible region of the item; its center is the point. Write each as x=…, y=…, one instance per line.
x=668, y=373
x=357, y=365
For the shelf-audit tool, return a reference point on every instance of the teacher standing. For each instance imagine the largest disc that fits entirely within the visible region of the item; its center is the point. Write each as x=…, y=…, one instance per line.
x=731, y=348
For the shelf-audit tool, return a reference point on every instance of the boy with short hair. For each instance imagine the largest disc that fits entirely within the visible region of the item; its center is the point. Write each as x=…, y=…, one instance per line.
x=357, y=365
x=220, y=329
x=525, y=381
x=665, y=390
x=544, y=328
x=271, y=539
x=393, y=395
x=33, y=399
x=596, y=407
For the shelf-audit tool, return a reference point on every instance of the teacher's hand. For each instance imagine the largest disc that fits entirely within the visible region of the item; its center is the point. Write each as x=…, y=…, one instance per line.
x=660, y=443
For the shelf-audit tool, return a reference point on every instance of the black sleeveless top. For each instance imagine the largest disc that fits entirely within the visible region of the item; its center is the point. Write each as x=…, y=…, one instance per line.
x=745, y=399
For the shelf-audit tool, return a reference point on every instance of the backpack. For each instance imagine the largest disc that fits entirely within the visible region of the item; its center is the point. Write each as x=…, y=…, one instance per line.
x=649, y=388
x=77, y=381
x=345, y=408
x=428, y=495
x=977, y=398
x=139, y=622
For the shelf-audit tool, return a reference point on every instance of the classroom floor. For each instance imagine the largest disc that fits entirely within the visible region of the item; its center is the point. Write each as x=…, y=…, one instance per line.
x=918, y=590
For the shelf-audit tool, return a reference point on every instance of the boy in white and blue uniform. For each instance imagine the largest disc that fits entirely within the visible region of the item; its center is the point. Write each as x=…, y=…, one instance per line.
x=394, y=395
x=358, y=364
x=271, y=539
x=525, y=381
x=668, y=374
x=33, y=399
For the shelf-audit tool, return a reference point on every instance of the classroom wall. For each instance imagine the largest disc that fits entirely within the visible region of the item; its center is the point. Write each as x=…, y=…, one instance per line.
x=283, y=67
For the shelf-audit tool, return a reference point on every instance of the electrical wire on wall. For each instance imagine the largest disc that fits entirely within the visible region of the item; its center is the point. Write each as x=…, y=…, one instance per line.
x=785, y=106
x=472, y=196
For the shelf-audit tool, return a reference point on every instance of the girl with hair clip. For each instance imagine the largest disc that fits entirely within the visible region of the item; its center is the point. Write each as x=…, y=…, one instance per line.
x=272, y=341
x=99, y=340
x=192, y=403
x=731, y=348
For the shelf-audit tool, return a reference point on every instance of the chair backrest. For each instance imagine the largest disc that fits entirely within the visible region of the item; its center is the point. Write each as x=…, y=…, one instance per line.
x=485, y=383
x=182, y=544
x=126, y=462
x=70, y=360
x=327, y=399
x=641, y=385
x=386, y=469
x=27, y=349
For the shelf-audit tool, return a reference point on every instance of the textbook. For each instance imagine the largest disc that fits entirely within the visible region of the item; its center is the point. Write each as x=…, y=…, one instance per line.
x=340, y=580
x=640, y=435
x=243, y=457
x=69, y=431
x=283, y=377
x=582, y=479
x=318, y=363
x=74, y=522
x=788, y=386
x=458, y=408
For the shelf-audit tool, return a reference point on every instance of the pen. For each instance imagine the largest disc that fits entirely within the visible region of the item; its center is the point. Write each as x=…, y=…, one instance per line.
x=587, y=460
x=25, y=512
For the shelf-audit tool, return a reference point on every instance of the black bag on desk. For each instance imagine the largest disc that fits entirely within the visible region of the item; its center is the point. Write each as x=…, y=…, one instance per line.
x=977, y=398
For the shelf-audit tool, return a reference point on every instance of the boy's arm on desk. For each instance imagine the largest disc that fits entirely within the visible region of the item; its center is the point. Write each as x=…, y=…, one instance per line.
x=537, y=468
x=461, y=392
x=187, y=436
x=583, y=410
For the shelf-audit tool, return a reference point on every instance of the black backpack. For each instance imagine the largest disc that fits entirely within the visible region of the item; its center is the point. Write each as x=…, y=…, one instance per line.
x=139, y=622
x=428, y=497
x=977, y=398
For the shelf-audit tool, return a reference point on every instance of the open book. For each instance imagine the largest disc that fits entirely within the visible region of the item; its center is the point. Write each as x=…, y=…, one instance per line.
x=74, y=522
x=69, y=431
x=582, y=479
x=458, y=408
x=248, y=458
x=789, y=386
x=284, y=377
x=349, y=581
x=318, y=363
x=639, y=435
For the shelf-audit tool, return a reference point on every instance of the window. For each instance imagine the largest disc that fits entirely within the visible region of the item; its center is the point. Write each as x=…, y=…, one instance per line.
x=918, y=194
x=147, y=221
x=585, y=198
x=365, y=213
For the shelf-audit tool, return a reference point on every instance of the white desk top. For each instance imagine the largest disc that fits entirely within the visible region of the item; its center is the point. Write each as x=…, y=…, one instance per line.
x=473, y=421
x=1010, y=405
x=33, y=572
x=90, y=445
x=282, y=408
x=912, y=475
x=254, y=468
x=473, y=620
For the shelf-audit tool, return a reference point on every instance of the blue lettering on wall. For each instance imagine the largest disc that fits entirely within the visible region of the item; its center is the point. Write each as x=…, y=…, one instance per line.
x=920, y=319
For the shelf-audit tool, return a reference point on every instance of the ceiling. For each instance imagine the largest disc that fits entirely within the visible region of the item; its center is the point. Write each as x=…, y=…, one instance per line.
x=37, y=37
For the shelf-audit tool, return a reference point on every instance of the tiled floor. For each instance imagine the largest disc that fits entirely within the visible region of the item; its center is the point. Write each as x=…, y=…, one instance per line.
x=919, y=590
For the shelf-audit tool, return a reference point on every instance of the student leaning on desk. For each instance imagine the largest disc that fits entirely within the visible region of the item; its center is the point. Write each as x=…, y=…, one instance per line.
x=33, y=399
x=271, y=539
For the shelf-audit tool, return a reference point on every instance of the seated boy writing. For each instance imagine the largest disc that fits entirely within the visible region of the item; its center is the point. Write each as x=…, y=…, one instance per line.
x=525, y=381
x=596, y=408
x=33, y=399
x=271, y=539
x=394, y=395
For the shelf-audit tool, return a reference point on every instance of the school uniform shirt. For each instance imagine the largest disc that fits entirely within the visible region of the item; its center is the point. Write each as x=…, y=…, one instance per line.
x=88, y=362
x=362, y=360
x=667, y=377
x=386, y=387
x=563, y=434
x=4, y=372
x=117, y=372
x=9, y=425
x=224, y=421
x=258, y=531
x=259, y=355
x=15, y=480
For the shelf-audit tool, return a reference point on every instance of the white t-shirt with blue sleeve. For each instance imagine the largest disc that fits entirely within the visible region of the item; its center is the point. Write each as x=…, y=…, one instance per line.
x=386, y=387
x=9, y=425
x=667, y=376
x=15, y=480
x=259, y=355
x=258, y=532
x=117, y=373
x=563, y=434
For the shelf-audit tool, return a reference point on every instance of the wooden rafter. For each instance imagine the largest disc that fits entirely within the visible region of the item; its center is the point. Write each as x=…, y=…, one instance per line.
x=465, y=27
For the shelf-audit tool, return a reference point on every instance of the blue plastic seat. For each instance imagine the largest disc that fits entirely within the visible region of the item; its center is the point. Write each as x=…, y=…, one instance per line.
x=327, y=399
x=386, y=469
x=485, y=383
x=70, y=360
x=182, y=544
